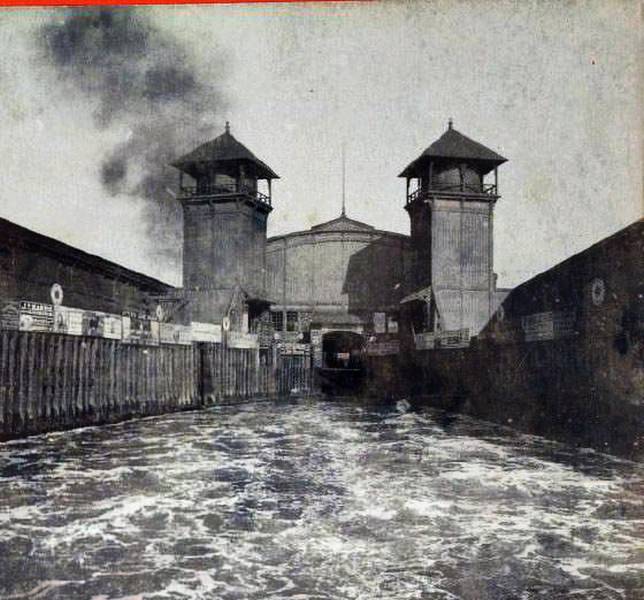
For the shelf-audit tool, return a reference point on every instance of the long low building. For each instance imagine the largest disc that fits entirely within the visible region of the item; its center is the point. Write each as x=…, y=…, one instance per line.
x=32, y=263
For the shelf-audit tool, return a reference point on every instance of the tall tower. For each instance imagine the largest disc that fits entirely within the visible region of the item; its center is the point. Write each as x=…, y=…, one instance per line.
x=451, y=210
x=225, y=216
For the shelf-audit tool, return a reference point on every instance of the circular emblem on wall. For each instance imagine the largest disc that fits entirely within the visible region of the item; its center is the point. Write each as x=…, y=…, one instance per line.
x=500, y=313
x=597, y=291
x=56, y=293
x=158, y=311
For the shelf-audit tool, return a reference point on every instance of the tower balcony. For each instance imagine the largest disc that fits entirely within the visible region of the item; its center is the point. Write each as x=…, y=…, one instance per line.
x=455, y=190
x=224, y=192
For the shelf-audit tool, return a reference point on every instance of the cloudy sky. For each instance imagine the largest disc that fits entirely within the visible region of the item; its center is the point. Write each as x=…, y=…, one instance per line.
x=93, y=107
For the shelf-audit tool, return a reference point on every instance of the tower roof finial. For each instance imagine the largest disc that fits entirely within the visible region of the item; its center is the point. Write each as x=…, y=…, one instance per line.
x=344, y=206
x=450, y=123
x=227, y=126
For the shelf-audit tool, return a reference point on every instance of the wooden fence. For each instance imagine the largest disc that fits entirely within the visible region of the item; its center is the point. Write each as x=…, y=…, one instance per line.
x=242, y=373
x=52, y=381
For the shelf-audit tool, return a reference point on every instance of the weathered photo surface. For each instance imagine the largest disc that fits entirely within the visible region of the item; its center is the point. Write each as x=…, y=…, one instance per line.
x=322, y=301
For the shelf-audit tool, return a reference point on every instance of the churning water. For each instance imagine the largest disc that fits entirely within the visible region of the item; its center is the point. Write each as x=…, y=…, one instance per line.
x=315, y=500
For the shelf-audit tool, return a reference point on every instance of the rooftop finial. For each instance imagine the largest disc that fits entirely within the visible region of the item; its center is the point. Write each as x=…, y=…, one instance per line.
x=344, y=208
x=227, y=126
x=450, y=123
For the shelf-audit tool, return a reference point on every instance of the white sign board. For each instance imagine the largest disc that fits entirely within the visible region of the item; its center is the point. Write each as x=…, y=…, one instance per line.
x=205, y=332
x=383, y=348
x=379, y=322
x=35, y=316
x=170, y=333
x=392, y=325
x=238, y=339
x=140, y=331
x=69, y=320
x=425, y=341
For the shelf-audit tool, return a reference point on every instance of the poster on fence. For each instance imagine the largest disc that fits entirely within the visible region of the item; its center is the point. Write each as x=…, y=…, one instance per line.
x=69, y=320
x=171, y=333
x=9, y=315
x=239, y=339
x=384, y=348
x=102, y=325
x=295, y=349
x=205, y=332
x=35, y=316
x=425, y=340
x=140, y=331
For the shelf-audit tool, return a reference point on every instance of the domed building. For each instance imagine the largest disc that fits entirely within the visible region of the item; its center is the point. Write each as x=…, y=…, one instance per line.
x=342, y=275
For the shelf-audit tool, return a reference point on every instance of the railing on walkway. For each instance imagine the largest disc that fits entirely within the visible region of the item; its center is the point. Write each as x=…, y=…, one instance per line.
x=488, y=189
x=221, y=190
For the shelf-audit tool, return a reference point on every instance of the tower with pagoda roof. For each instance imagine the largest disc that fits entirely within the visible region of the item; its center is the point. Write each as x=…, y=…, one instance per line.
x=452, y=189
x=225, y=192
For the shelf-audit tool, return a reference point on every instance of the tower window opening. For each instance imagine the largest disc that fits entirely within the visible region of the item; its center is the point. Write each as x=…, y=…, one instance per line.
x=291, y=321
x=277, y=319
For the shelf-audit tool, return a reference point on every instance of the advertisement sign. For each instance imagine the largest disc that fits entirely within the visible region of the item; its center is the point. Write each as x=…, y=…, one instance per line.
x=69, y=320
x=9, y=315
x=35, y=316
x=383, y=348
x=239, y=339
x=169, y=333
x=548, y=325
x=425, y=341
x=458, y=338
x=140, y=331
x=392, y=325
x=296, y=349
x=379, y=322
x=205, y=332
x=75, y=321
x=538, y=327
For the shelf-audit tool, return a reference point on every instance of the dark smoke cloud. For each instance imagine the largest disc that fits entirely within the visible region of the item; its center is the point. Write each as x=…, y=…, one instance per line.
x=141, y=78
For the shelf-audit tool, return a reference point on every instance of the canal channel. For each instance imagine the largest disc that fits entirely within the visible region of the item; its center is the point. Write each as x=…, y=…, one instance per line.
x=304, y=499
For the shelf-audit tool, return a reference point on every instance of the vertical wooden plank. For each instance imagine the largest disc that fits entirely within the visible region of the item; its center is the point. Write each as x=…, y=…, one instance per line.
x=51, y=379
x=13, y=405
x=64, y=381
x=80, y=378
x=22, y=390
x=100, y=378
x=4, y=378
x=30, y=377
x=58, y=378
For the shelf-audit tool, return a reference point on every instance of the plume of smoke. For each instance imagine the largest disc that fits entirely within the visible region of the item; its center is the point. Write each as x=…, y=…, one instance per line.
x=142, y=79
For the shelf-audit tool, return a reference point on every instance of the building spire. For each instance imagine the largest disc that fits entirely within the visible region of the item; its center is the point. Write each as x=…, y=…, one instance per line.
x=227, y=126
x=450, y=123
x=344, y=208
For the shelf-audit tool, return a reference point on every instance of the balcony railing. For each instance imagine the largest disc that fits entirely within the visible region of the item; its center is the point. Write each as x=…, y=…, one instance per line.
x=487, y=189
x=224, y=190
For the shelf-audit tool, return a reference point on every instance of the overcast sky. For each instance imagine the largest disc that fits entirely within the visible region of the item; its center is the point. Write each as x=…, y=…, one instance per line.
x=553, y=86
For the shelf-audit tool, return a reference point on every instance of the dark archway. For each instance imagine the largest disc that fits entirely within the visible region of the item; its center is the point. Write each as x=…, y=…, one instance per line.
x=343, y=365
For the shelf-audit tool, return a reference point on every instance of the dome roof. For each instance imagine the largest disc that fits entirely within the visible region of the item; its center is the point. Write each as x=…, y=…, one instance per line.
x=342, y=223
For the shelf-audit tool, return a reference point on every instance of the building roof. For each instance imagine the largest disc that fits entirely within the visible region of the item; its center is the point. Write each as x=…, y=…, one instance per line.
x=223, y=149
x=12, y=233
x=454, y=145
x=342, y=223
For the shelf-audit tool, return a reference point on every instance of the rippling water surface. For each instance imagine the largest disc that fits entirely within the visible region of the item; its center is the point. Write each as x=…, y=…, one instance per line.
x=315, y=500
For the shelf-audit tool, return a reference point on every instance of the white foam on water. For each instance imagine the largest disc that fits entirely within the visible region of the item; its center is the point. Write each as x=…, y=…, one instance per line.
x=319, y=500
